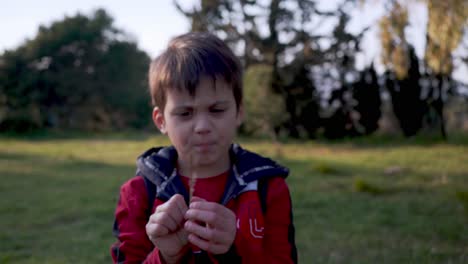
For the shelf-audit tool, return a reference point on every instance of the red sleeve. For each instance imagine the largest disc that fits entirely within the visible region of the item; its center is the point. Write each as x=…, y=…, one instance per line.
x=133, y=245
x=279, y=241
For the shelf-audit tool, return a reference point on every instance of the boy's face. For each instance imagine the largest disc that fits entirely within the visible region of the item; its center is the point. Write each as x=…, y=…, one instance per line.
x=201, y=127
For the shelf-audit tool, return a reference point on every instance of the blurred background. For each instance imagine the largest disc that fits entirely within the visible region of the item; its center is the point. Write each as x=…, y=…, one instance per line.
x=364, y=100
x=332, y=68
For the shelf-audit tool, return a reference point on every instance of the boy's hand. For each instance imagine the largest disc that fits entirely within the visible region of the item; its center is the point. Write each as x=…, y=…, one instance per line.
x=165, y=229
x=212, y=226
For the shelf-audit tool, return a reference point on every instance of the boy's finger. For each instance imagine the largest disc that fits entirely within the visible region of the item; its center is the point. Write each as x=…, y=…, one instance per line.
x=207, y=245
x=197, y=199
x=212, y=207
x=213, y=235
x=201, y=231
x=197, y=215
x=174, y=207
x=178, y=202
x=215, y=220
x=155, y=230
x=210, y=234
x=203, y=205
x=165, y=219
x=182, y=235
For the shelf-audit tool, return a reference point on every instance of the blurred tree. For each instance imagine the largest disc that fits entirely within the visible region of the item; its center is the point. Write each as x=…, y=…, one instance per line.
x=265, y=110
x=282, y=33
x=80, y=72
x=316, y=73
x=447, y=22
x=366, y=93
x=445, y=28
x=266, y=33
x=393, y=41
x=340, y=122
x=408, y=106
x=349, y=96
x=16, y=107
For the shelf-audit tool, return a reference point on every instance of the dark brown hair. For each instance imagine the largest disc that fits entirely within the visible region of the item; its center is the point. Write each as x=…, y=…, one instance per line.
x=187, y=59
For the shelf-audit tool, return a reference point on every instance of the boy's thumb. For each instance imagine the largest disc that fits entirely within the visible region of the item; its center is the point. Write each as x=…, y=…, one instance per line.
x=197, y=199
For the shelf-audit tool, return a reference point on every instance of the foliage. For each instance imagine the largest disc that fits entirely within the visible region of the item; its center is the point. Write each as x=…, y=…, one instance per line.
x=394, y=44
x=83, y=72
x=445, y=28
x=355, y=107
x=462, y=196
x=326, y=169
x=80, y=72
x=315, y=73
x=446, y=23
x=280, y=33
x=361, y=185
x=265, y=111
x=408, y=106
x=366, y=92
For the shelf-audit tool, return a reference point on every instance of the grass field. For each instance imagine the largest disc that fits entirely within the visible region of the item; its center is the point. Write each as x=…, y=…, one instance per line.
x=357, y=201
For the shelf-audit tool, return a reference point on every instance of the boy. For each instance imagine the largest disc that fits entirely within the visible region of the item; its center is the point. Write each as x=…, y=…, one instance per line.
x=239, y=210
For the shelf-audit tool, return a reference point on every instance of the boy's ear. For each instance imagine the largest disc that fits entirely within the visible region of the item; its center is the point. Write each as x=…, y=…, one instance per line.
x=158, y=120
x=240, y=115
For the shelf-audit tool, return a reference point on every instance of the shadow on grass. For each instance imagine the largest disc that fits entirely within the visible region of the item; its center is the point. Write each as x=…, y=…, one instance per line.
x=63, y=209
x=308, y=181
x=341, y=173
x=57, y=209
x=373, y=141
x=44, y=135
x=381, y=221
x=388, y=141
x=15, y=156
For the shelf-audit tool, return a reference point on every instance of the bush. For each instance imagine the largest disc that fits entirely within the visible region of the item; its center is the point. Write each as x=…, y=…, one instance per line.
x=264, y=109
x=361, y=185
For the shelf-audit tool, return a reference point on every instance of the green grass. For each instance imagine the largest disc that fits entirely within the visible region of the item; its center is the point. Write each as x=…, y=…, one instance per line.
x=57, y=197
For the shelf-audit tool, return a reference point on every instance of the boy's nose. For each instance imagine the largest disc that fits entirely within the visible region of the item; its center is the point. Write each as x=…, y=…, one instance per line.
x=202, y=125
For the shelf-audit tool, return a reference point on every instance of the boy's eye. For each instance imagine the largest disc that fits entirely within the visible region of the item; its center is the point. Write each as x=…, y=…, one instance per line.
x=218, y=110
x=183, y=114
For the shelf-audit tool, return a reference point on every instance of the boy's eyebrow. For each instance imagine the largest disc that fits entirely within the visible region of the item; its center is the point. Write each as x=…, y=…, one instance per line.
x=221, y=102
x=188, y=106
x=183, y=107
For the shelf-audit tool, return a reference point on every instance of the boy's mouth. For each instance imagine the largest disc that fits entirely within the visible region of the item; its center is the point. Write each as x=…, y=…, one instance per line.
x=204, y=147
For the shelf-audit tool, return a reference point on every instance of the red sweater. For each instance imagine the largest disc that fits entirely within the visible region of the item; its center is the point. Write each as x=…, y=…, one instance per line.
x=262, y=237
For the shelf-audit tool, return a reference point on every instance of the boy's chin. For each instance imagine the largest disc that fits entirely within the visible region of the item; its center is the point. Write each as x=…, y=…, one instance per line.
x=204, y=149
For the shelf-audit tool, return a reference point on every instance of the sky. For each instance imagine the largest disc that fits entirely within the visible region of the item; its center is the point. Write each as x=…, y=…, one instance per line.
x=153, y=23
